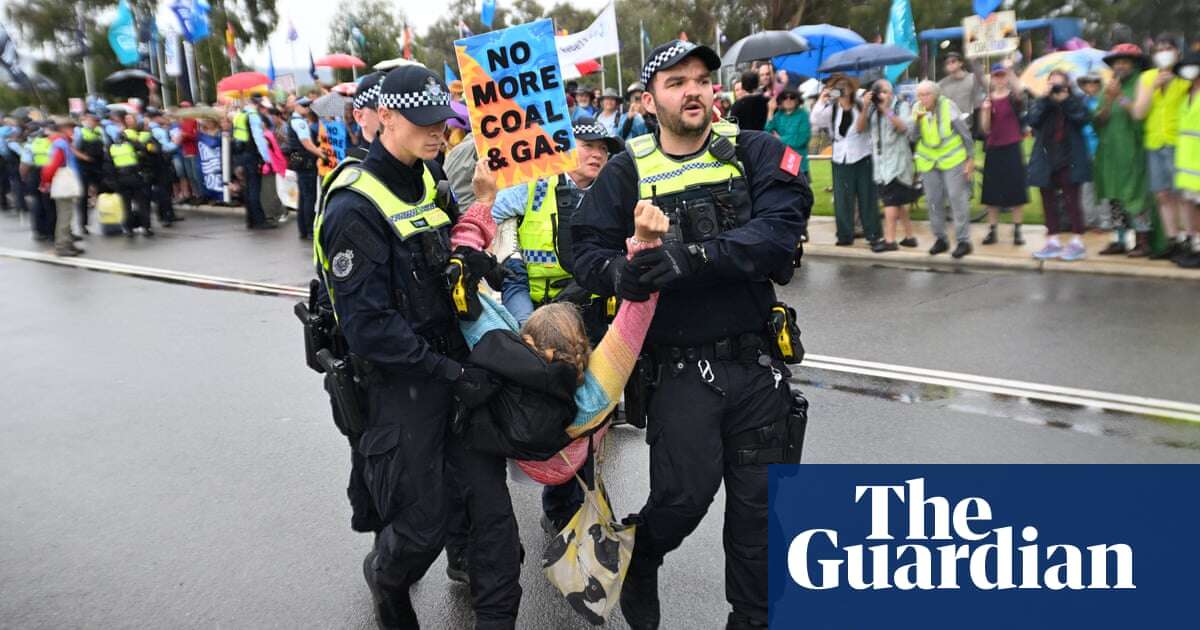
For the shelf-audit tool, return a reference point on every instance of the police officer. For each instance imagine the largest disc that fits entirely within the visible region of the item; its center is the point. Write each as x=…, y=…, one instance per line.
x=125, y=161
x=382, y=243
x=90, y=143
x=250, y=152
x=161, y=169
x=738, y=203
x=365, y=97
x=302, y=158
x=42, y=212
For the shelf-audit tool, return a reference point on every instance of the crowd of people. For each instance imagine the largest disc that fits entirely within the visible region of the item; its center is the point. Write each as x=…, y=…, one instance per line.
x=1109, y=155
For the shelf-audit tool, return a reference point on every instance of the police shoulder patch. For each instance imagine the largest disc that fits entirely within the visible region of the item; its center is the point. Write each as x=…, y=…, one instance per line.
x=342, y=263
x=791, y=161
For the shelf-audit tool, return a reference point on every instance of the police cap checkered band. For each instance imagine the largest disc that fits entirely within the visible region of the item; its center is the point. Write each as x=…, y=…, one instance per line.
x=413, y=100
x=589, y=129
x=671, y=53
x=367, y=94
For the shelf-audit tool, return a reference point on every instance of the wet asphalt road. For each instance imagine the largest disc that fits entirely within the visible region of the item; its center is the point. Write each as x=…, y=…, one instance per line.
x=166, y=460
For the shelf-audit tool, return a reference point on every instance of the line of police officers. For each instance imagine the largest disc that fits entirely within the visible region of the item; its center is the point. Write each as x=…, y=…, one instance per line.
x=719, y=407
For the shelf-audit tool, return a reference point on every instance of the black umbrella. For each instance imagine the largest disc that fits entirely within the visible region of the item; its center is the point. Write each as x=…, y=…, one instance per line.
x=764, y=45
x=129, y=83
x=866, y=56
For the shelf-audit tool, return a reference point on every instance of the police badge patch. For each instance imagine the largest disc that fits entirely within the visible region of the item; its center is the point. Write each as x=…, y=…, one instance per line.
x=343, y=263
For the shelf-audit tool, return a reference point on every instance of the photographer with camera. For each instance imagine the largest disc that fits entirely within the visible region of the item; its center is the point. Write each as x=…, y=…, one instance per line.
x=1059, y=163
x=892, y=162
x=853, y=177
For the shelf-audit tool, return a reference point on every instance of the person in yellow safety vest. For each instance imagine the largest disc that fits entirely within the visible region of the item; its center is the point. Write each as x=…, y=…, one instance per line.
x=1187, y=151
x=541, y=213
x=42, y=213
x=128, y=182
x=250, y=152
x=1159, y=102
x=90, y=143
x=945, y=162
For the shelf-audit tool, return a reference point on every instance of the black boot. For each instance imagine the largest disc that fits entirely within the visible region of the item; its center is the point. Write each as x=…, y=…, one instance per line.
x=639, y=595
x=939, y=246
x=990, y=239
x=1018, y=240
x=393, y=607
x=1141, y=246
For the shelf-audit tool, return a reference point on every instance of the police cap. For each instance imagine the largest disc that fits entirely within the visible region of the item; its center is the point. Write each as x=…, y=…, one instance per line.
x=587, y=129
x=417, y=93
x=366, y=95
x=672, y=53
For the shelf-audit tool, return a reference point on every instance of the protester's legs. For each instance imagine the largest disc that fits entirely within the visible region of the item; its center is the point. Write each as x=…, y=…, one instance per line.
x=559, y=503
x=1072, y=202
x=62, y=226
x=254, y=209
x=191, y=165
x=5, y=184
x=494, y=547
x=904, y=213
x=958, y=188
x=87, y=179
x=889, y=223
x=843, y=201
x=935, y=193
x=868, y=198
x=1050, y=204
x=1161, y=175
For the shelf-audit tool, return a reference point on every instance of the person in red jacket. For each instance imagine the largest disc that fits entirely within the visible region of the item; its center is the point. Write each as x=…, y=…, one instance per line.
x=188, y=134
x=62, y=157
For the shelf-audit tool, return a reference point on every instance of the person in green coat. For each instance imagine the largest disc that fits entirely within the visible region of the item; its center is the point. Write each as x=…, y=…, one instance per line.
x=791, y=125
x=1120, y=166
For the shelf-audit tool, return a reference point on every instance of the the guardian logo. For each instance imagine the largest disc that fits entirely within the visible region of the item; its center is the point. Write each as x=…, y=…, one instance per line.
x=973, y=556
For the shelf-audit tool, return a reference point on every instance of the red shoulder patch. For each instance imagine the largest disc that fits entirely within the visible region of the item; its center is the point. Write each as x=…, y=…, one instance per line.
x=791, y=162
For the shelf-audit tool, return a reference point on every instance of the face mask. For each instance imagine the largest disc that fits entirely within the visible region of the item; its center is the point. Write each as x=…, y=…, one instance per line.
x=1190, y=72
x=1164, y=58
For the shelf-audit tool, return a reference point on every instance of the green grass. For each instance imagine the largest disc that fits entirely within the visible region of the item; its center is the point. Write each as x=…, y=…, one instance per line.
x=822, y=176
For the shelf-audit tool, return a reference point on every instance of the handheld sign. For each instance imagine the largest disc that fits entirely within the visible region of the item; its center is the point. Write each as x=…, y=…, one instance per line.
x=513, y=88
x=993, y=36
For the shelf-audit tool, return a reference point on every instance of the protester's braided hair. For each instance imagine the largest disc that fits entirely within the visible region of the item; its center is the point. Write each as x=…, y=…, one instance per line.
x=559, y=328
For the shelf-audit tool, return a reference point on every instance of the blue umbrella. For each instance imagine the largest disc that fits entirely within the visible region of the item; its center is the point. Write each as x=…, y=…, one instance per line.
x=823, y=40
x=866, y=56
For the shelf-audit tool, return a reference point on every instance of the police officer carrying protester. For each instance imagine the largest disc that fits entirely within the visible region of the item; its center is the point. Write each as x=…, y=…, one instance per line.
x=90, y=143
x=382, y=244
x=720, y=407
x=125, y=158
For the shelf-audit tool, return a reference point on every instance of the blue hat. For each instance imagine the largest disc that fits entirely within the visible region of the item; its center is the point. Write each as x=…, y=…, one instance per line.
x=304, y=101
x=998, y=68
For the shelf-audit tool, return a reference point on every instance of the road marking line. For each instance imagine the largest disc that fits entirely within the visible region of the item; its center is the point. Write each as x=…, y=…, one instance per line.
x=1022, y=389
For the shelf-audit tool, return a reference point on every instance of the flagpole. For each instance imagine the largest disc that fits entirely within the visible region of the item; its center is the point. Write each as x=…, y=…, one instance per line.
x=88, y=80
x=603, y=75
x=158, y=52
x=620, y=87
x=189, y=57
x=642, y=42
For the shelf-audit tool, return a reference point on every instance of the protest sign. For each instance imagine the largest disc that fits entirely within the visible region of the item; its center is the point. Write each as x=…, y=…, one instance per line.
x=993, y=36
x=513, y=89
x=75, y=105
x=336, y=130
x=209, y=148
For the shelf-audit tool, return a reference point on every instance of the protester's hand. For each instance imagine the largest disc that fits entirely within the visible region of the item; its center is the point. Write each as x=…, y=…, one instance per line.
x=572, y=293
x=1164, y=77
x=1113, y=88
x=969, y=169
x=987, y=104
x=44, y=188
x=649, y=222
x=623, y=275
x=483, y=182
x=663, y=265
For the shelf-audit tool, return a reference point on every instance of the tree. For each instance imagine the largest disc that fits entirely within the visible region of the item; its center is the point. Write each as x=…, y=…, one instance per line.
x=381, y=25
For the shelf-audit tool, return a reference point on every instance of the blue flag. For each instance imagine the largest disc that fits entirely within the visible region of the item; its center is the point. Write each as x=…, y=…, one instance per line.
x=901, y=31
x=488, y=12
x=312, y=66
x=984, y=8
x=199, y=19
x=123, y=37
x=449, y=73
x=292, y=34
x=271, y=65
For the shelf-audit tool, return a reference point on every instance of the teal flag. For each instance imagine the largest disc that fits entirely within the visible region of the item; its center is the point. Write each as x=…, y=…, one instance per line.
x=122, y=36
x=448, y=73
x=902, y=32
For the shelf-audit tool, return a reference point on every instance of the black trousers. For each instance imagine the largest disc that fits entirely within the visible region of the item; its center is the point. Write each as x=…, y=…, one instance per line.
x=89, y=178
x=17, y=185
x=403, y=450
x=493, y=542
x=690, y=421
x=161, y=182
x=252, y=168
x=137, y=205
x=5, y=182
x=42, y=212
x=306, y=213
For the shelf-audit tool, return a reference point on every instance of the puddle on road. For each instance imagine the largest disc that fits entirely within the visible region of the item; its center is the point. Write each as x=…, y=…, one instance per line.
x=1104, y=423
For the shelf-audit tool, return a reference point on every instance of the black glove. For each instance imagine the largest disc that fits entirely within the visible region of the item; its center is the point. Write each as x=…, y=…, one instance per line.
x=663, y=265
x=573, y=293
x=623, y=275
x=474, y=387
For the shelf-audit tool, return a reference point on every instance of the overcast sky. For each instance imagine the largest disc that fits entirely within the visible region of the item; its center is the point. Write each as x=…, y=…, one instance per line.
x=312, y=19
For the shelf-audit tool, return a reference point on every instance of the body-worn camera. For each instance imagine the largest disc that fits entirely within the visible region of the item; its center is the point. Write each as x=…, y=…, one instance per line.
x=703, y=212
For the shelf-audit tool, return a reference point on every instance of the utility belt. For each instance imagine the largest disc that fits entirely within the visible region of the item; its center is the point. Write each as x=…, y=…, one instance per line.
x=301, y=161
x=746, y=347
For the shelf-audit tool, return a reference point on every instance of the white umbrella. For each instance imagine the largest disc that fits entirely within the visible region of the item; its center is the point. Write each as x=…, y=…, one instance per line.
x=331, y=105
x=396, y=63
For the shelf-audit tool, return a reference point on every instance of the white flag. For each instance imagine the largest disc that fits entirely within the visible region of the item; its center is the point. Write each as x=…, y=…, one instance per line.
x=595, y=41
x=171, y=50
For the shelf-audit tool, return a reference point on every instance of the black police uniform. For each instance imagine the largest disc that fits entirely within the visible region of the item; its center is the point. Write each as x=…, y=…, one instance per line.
x=304, y=164
x=708, y=344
